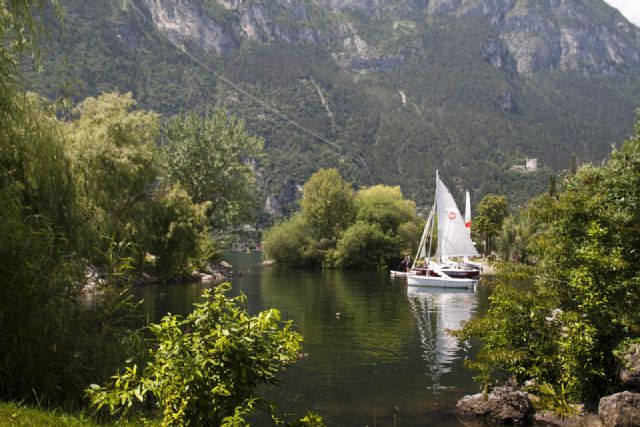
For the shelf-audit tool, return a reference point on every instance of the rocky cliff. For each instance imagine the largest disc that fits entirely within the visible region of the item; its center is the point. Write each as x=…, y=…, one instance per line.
x=399, y=88
x=569, y=35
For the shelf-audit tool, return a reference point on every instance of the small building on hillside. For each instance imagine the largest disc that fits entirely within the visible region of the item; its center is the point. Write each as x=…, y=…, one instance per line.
x=530, y=165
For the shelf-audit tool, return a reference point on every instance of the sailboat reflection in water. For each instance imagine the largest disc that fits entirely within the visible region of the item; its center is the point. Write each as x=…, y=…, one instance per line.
x=436, y=311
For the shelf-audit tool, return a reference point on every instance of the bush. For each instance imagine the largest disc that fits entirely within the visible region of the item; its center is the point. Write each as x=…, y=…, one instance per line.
x=181, y=232
x=289, y=244
x=363, y=246
x=205, y=369
x=586, y=289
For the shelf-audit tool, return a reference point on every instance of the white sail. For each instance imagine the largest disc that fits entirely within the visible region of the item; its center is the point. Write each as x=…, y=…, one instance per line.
x=453, y=238
x=467, y=212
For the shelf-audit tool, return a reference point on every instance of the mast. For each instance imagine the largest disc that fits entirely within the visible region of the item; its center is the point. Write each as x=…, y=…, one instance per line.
x=423, y=239
x=435, y=202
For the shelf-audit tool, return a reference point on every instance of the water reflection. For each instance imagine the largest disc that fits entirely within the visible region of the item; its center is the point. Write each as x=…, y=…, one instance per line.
x=436, y=311
x=386, y=355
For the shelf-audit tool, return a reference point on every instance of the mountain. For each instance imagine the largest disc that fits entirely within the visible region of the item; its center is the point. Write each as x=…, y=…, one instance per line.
x=395, y=88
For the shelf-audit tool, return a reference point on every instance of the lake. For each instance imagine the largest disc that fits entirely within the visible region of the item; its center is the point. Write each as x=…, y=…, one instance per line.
x=378, y=353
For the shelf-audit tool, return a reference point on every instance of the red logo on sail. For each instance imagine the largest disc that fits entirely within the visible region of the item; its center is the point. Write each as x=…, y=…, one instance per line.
x=467, y=224
x=452, y=216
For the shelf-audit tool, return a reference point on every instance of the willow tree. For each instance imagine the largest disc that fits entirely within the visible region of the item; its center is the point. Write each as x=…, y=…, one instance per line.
x=212, y=157
x=327, y=204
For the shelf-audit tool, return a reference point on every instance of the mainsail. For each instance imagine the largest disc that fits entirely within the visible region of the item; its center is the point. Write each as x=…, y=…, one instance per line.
x=467, y=212
x=453, y=237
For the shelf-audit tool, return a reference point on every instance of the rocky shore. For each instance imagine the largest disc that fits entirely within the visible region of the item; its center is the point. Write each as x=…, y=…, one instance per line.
x=508, y=405
x=212, y=273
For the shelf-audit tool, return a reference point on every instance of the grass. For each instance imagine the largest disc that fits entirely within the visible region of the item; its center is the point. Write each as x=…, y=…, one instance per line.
x=16, y=415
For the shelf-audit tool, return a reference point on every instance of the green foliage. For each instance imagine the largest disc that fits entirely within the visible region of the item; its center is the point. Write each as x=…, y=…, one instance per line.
x=492, y=211
x=34, y=160
x=632, y=145
x=336, y=229
x=114, y=160
x=582, y=304
x=63, y=187
x=182, y=232
x=440, y=63
x=558, y=399
x=289, y=243
x=20, y=26
x=519, y=234
x=206, y=367
x=384, y=206
x=212, y=157
x=327, y=204
x=38, y=312
x=363, y=246
x=115, y=163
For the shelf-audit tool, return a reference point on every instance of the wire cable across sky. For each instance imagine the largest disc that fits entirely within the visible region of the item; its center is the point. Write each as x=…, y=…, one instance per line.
x=240, y=90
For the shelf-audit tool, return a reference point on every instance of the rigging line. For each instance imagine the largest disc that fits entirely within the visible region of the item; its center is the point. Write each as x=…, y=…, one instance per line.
x=244, y=92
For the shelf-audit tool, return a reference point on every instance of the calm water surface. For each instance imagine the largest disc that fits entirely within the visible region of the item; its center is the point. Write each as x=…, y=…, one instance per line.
x=385, y=356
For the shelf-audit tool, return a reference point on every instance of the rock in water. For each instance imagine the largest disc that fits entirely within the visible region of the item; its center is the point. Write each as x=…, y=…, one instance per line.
x=503, y=405
x=620, y=409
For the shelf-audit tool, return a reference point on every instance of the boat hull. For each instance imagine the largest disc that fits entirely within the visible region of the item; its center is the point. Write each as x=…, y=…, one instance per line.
x=439, y=281
x=462, y=273
x=395, y=273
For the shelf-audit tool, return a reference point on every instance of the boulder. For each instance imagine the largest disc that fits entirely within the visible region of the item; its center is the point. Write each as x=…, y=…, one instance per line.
x=503, y=405
x=549, y=419
x=630, y=371
x=620, y=409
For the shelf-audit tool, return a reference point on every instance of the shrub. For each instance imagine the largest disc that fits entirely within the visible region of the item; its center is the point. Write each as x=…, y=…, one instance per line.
x=206, y=367
x=289, y=244
x=362, y=246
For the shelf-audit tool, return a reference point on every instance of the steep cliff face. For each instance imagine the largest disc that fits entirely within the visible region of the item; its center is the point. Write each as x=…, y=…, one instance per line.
x=568, y=35
x=399, y=87
x=220, y=25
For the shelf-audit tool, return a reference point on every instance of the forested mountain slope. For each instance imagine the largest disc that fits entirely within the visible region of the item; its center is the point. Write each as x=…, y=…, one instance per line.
x=401, y=87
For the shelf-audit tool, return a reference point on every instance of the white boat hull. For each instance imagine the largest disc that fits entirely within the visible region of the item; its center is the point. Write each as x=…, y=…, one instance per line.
x=395, y=273
x=439, y=282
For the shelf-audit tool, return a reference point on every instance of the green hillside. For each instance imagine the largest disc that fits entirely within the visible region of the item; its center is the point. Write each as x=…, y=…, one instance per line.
x=461, y=114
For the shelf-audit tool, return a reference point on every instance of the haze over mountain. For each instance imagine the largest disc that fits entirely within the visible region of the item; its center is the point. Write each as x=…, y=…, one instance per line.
x=629, y=8
x=401, y=87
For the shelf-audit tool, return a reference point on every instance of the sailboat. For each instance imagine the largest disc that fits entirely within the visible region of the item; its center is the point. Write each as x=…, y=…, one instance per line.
x=454, y=241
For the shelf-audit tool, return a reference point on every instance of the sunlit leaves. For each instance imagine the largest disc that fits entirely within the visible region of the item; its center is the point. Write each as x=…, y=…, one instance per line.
x=205, y=368
x=583, y=301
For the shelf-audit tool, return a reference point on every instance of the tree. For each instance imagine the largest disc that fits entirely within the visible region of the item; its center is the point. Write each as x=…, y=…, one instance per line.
x=181, y=238
x=324, y=232
x=384, y=206
x=363, y=246
x=213, y=158
x=492, y=210
x=632, y=145
x=114, y=159
x=290, y=244
x=563, y=332
x=205, y=369
x=327, y=204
